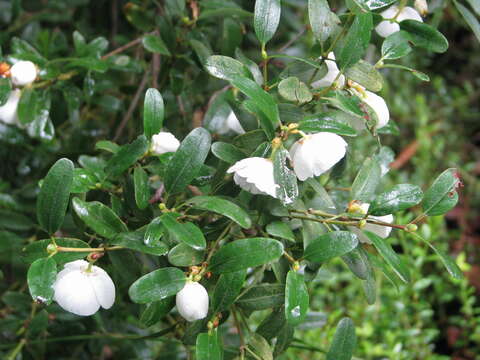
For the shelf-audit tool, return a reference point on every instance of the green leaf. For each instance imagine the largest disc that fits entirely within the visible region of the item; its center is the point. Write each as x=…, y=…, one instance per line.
x=127, y=156
x=441, y=196
x=156, y=311
x=40, y=277
x=155, y=44
x=294, y=90
x=157, y=285
x=251, y=65
x=263, y=101
x=99, y=218
x=366, y=75
x=400, y=197
x=322, y=20
x=90, y=63
x=227, y=289
x=325, y=122
x=390, y=256
x=208, y=347
x=134, y=240
x=227, y=152
x=154, y=232
x=33, y=105
x=184, y=255
x=396, y=46
x=260, y=346
x=226, y=68
x=265, y=123
x=344, y=341
x=281, y=230
x=187, y=160
x=53, y=198
x=187, y=233
x=266, y=19
x=223, y=207
x=425, y=36
x=357, y=261
x=245, y=253
x=261, y=297
x=153, y=113
x=287, y=190
x=38, y=250
x=142, y=189
x=330, y=245
x=366, y=181
x=296, y=298
x=353, y=46
x=83, y=181
x=5, y=90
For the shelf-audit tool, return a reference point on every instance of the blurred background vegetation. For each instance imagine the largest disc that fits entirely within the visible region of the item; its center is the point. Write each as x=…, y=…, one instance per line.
x=434, y=317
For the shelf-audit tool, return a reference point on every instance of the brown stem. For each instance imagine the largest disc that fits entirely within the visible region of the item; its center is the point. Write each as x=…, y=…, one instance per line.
x=70, y=249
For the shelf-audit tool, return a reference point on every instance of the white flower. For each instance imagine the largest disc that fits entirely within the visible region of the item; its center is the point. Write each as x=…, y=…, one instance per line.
x=255, y=175
x=421, y=6
x=231, y=123
x=331, y=75
x=386, y=27
x=377, y=104
x=164, y=142
x=82, y=291
x=8, y=112
x=192, y=301
x=316, y=154
x=23, y=73
x=380, y=230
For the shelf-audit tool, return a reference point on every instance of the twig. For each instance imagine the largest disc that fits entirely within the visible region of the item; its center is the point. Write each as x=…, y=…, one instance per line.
x=124, y=47
x=155, y=70
x=132, y=106
x=70, y=249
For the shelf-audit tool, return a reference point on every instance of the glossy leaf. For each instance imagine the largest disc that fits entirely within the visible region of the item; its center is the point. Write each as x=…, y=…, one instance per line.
x=425, y=36
x=154, y=232
x=134, y=240
x=40, y=277
x=208, y=347
x=127, y=156
x=142, y=188
x=223, y=207
x=245, y=253
x=260, y=297
x=227, y=289
x=187, y=233
x=153, y=113
x=184, y=255
x=155, y=44
x=99, y=218
x=400, y=197
x=296, y=298
x=330, y=245
x=187, y=160
x=266, y=19
x=469, y=18
x=33, y=105
x=356, y=41
x=322, y=20
x=294, y=90
x=366, y=75
x=157, y=285
x=325, y=122
x=396, y=46
x=281, y=230
x=53, y=198
x=389, y=255
x=285, y=178
x=366, y=181
x=156, y=311
x=227, y=152
x=344, y=341
x=441, y=195
x=5, y=89
x=226, y=68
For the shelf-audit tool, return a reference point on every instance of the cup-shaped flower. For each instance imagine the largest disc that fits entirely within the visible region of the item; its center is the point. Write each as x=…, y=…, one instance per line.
x=389, y=26
x=23, y=73
x=192, y=301
x=377, y=104
x=331, y=75
x=380, y=230
x=255, y=175
x=82, y=291
x=8, y=112
x=316, y=153
x=164, y=142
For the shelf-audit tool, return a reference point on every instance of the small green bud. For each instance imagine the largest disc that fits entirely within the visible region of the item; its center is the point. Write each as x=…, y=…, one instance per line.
x=51, y=248
x=411, y=228
x=362, y=223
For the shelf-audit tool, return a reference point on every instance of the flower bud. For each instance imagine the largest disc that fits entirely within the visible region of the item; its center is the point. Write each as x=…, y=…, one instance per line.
x=358, y=207
x=82, y=290
x=8, y=112
x=379, y=230
x=23, y=73
x=192, y=301
x=164, y=142
x=411, y=228
x=331, y=75
x=421, y=6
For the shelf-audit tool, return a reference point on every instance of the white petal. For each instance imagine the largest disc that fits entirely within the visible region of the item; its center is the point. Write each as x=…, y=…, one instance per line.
x=164, y=142
x=192, y=301
x=382, y=231
x=409, y=13
x=379, y=106
x=234, y=124
x=8, y=112
x=103, y=287
x=23, y=73
x=254, y=175
x=74, y=293
x=331, y=75
x=386, y=28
